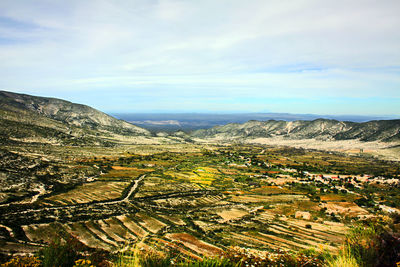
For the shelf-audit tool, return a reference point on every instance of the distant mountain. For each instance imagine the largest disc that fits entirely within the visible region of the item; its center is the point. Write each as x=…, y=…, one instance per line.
x=170, y=122
x=25, y=118
x=320, y=129
x=31, y=118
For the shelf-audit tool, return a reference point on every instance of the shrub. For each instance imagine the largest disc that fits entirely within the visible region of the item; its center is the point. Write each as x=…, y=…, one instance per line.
x=362, y=244
x=372, y=243
x=23, y=262
x=62, y=252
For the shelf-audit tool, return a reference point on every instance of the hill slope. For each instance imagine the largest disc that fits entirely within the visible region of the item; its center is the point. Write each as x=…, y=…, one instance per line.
x=320, y=129
x=40, y=119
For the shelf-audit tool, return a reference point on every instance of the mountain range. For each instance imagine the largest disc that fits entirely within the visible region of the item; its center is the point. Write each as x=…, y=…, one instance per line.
x=26, y=118
x=187, y=122
x=319, y=129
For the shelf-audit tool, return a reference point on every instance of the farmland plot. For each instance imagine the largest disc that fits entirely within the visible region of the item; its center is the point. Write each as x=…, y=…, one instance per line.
x=284, y=232
x=270, y=199
x=149, y=223
x=271, y=190
x=277, y=241
x=245, y=240
x=194, y=244
x=175, y=219
x=231, y=214
x=171, y=245
x=212, y=200
x=345, y=208
x=303, y=239
x=330, y=230
x=49, y=232
x=203, y=176
x=189, y=201
x=96, y=229
x=86, y=236
x=132, y=226
x=96, y=191
x=122, y=174
x=116, y=231
x=46, y=232
x=156, y=185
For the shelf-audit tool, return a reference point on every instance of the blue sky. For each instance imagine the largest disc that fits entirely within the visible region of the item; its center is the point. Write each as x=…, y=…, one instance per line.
x=303, y=56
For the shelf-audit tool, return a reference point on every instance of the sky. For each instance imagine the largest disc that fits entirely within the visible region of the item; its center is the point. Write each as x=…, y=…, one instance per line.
x=303, y=56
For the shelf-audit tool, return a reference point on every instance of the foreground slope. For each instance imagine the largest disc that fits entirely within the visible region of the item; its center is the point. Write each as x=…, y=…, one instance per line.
x=38, y=119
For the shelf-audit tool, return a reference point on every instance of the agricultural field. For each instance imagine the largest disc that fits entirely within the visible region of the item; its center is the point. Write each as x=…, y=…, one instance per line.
x=89, y=192
x=201, y=202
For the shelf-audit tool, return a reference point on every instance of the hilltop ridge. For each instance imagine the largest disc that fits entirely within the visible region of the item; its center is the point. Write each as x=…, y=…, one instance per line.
x=41, y=119
x=319, y=129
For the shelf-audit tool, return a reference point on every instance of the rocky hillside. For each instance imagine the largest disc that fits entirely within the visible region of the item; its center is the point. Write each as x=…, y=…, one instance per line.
x=320, y=129
x=25, y=117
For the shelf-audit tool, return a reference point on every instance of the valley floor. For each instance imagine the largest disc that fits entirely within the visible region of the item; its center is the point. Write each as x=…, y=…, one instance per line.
x=197, y=199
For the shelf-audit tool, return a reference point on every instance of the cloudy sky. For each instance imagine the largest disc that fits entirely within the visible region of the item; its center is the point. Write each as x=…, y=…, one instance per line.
x=302, y=56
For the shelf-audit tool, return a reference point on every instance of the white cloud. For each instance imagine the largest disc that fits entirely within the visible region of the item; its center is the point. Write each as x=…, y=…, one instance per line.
x=278, y=48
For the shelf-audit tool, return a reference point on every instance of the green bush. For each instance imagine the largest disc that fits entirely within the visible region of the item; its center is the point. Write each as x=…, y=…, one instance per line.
x=372, y=243
x=61, y=252
x=362, y=244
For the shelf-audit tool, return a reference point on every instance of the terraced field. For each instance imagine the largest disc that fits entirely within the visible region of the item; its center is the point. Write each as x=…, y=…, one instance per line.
x=96, y=191
x=290, y=234
x=111, y=233
x=195, y=204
